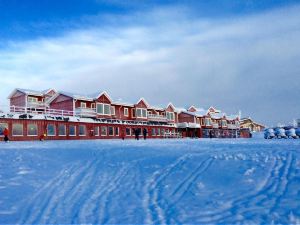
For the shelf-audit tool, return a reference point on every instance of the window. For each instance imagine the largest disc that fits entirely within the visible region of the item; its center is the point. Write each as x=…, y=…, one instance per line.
x=158, y=131
x=128, y=131
x=153, y=132
x=141, y=113
x=82, y=130
x=113, y=110
x=103, y=109
x=72, y=130
x=2, y=127
x=126, y=112
x=17, y=129
x=32, y=130
x=162, y=131
x=133, y=112
x=103, y=131
x=51, y=130
x=207, y=121
x=32, y=99
x=96, y=131
x=110, y=131
x=61, y=130
x=170, y=116
x=93, y=105
x=83, y=105
x=117, y=131
x=224, y=123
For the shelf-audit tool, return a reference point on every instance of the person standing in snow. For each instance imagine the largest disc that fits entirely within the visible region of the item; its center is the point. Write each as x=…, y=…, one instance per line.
x=6, y=133
x=137, y=133
x=145, y=132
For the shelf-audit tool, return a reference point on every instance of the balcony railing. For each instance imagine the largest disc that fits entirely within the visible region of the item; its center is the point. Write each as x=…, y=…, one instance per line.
x=38, y=104
x=86, y=112
x=159, y=118
x=215, y=125
x=56, y=112
x=233, y=126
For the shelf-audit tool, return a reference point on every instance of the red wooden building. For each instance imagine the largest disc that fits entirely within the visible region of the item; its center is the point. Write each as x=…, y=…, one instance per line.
x=63, y=116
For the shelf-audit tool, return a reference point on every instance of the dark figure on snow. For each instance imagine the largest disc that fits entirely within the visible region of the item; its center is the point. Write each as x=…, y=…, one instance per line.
x=145, y=132
x=137, y=134
x=6, y=133
x=210, y=134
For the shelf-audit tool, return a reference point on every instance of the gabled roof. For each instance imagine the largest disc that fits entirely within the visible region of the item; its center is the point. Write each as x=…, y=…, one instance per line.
x=26, y=91
x=143, y=99
x=105, y=94
x=76, y=96
x=171, y=105
x=48, y=90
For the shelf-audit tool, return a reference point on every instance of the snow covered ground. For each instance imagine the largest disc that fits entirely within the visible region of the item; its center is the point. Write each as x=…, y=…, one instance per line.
x=246, y=181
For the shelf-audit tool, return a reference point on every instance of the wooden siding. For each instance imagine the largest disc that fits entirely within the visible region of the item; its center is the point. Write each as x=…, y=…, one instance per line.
x=18, y=99
x=62, y=102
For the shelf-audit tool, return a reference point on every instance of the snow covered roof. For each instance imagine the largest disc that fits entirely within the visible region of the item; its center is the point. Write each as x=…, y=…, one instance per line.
x=26, y=91
x=76, y=96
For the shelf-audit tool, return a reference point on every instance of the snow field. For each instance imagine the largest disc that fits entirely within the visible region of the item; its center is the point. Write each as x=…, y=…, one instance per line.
x=219, y=181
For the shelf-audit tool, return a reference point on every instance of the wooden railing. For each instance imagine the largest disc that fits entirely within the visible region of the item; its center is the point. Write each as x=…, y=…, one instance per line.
x=58, y=112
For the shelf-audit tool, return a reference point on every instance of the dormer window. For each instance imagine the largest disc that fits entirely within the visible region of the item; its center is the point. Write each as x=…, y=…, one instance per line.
x=126, y=112
x=207, y=122
x=82, y=105
x=93, y=105
x=170, y=116
x=141, y=113
x=103, y=109
x=224, y=123
x=32, y=99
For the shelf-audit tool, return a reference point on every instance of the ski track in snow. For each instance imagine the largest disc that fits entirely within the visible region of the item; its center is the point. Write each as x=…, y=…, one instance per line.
x=99, y=191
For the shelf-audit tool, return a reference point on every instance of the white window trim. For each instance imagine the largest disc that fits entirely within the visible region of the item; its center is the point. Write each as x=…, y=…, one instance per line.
x=21, y=135
x=154, y=132
x=82, y=135
x=126, y=110
x=62, y=135
x=173, y=116
x=142, y=109
x=72, y=135
x=29, y=99
x=32, y=135
x=102, y=135
x=51, y=135
x=113, y=129
x=112, y=110
x=117, y=128
x=129, y=131
x=83, y=105
x=103, y=109
x=98, y=131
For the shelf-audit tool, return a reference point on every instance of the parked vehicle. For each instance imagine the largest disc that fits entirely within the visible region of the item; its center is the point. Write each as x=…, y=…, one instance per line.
x=280, y=132
x=291, y=133
x=269, y=133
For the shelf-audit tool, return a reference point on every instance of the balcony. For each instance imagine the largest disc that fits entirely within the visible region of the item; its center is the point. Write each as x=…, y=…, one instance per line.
x=233, y=126
x=157, y=118
x=38, y=104
x=85, y=112
x=215, y=125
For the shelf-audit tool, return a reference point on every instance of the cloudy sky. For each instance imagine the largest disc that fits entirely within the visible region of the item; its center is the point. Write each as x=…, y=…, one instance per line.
x=234, y=55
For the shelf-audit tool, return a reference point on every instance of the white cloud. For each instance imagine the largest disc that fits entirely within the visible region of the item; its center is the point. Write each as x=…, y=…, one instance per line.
x=248, y=63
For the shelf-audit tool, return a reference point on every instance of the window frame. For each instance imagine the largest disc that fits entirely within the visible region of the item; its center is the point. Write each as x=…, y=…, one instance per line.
x=28, y=129
x=17, y=135
x=105, y=128
x=54, y=129
x=127, y=112
x=65, y=130
x=103, y=108
x=72, y=135
x=82, y=135
x=2, y=135
x=142, y=114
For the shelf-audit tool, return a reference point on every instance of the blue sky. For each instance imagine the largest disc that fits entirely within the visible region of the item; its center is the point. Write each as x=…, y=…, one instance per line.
x=235, y=55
